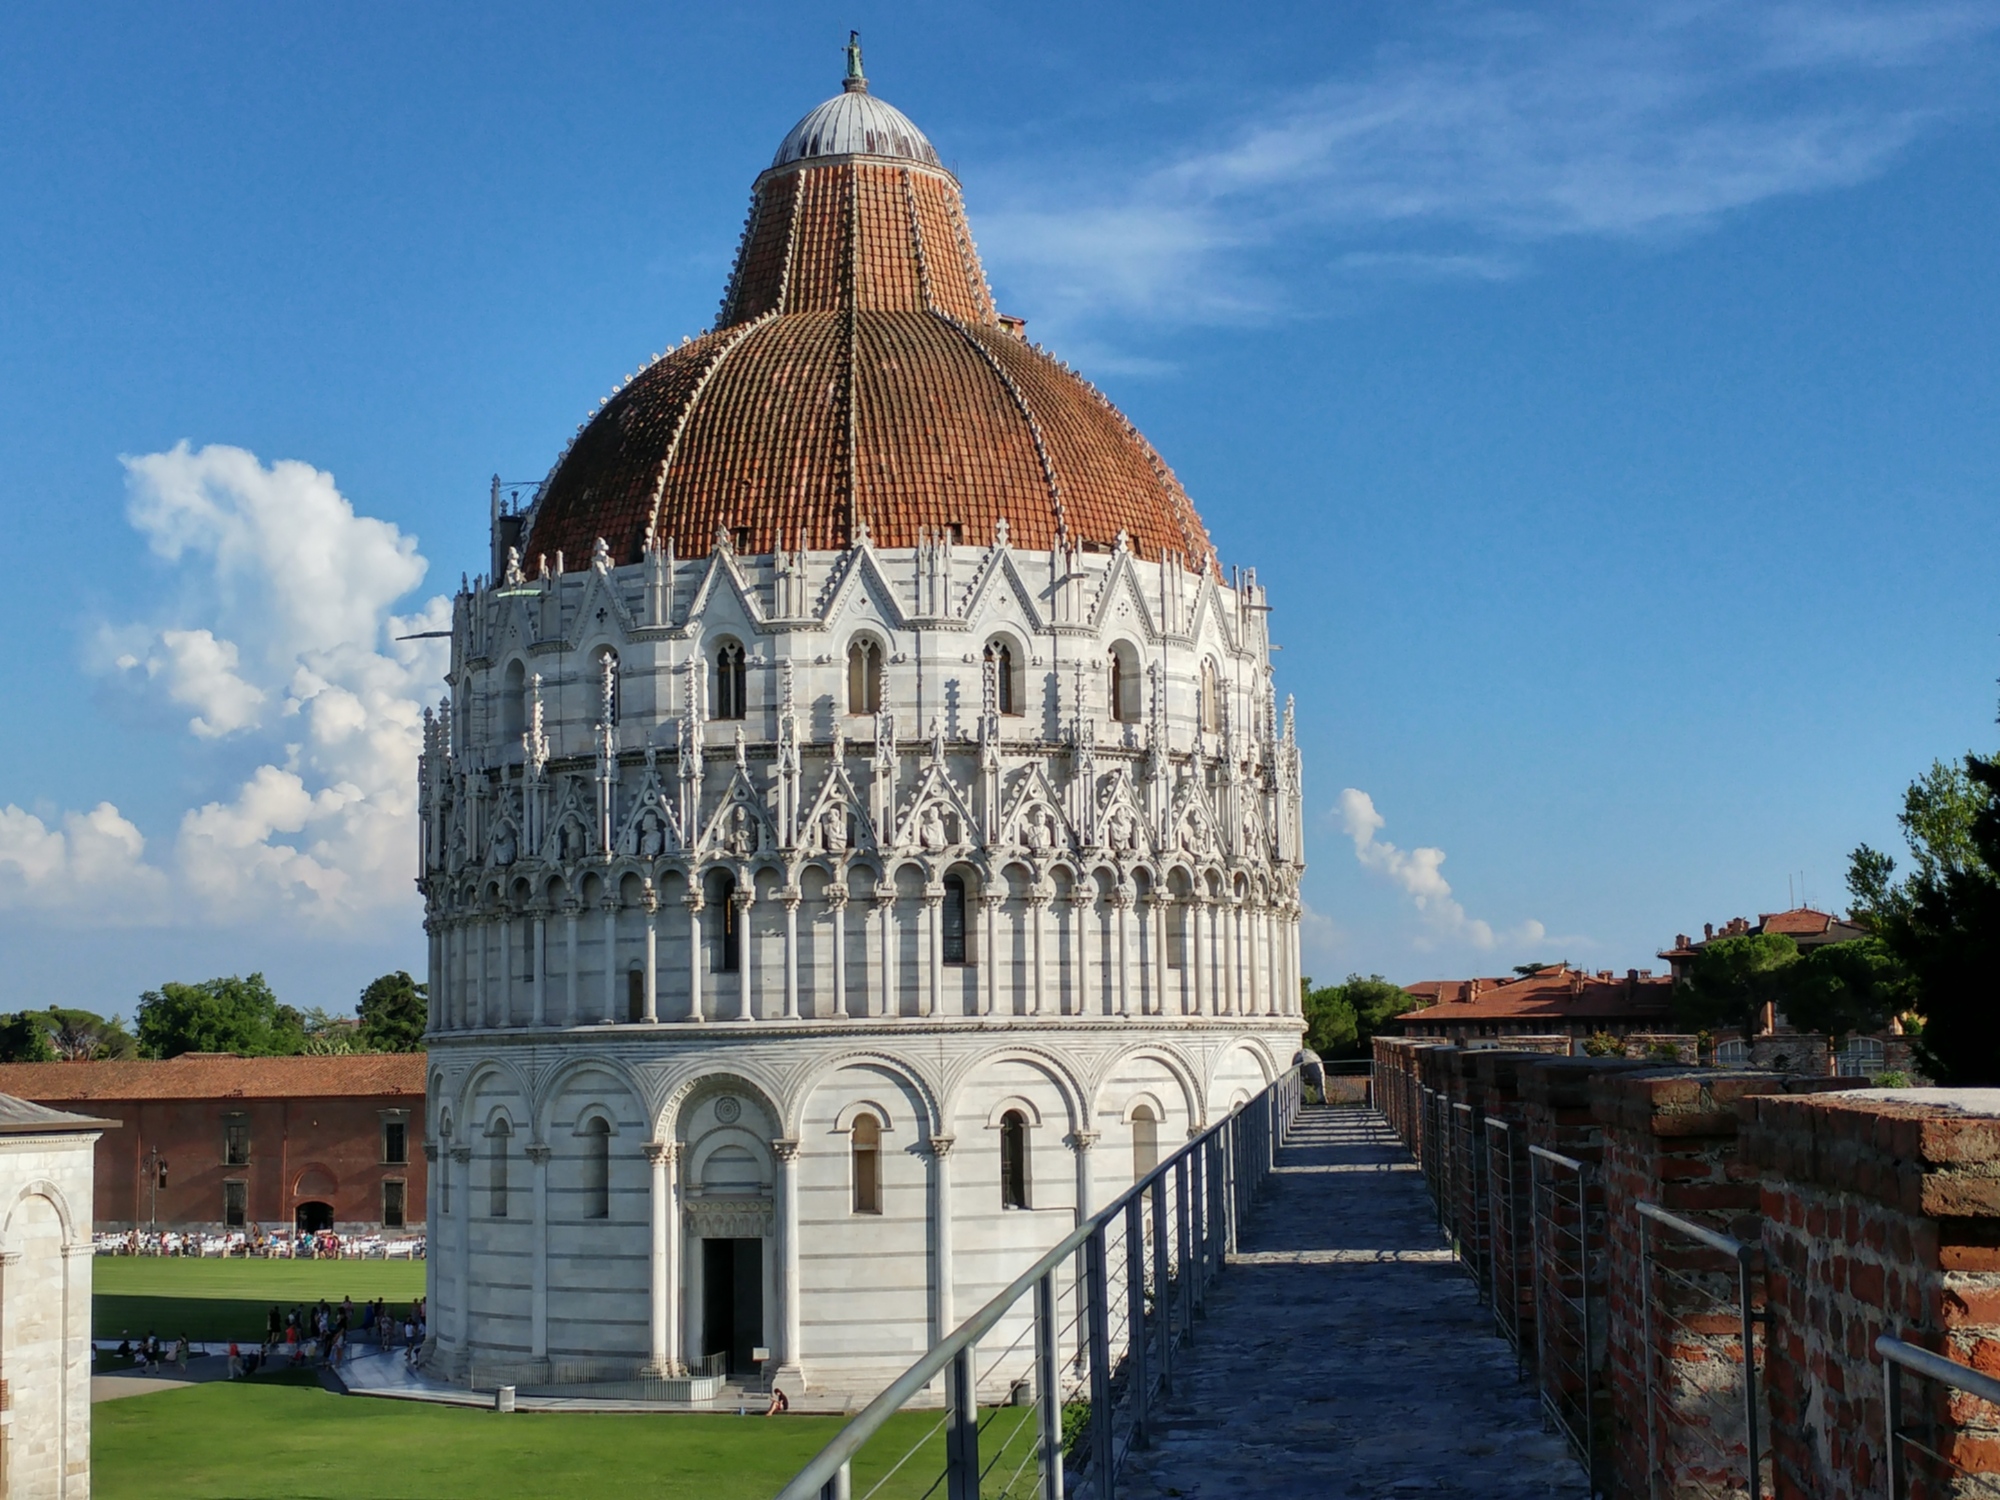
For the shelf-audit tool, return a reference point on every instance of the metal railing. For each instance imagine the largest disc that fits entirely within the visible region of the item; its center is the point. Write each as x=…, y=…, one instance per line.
x=1469, y=1194
x=1935, y=1449
x=1148, y=1258
x=1705, y=1419
x=1509, y=1253
x=1568, y=1326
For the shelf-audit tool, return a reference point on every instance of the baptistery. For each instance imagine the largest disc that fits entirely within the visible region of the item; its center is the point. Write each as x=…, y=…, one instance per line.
x=861, y=834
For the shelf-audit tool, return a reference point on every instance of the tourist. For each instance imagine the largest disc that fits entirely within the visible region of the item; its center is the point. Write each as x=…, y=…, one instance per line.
x=779, y=1403
x=235, y=1361
x=274, y=1327
x=181, y=1353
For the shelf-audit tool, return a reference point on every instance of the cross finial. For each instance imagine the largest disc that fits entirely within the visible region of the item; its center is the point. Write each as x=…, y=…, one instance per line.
x=855, y=82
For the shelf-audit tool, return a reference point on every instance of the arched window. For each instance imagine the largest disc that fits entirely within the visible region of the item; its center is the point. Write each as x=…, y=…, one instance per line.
x=1145, y=1141
x=1863, y=1056
x=727, y=917
x=514, y=702
x=499, y=1138
x=1123, y=693
x=729, y=699
x=1006, y=698
x=951, y=920
x=635, y=995
x=1013, y=1159
x=596, y=1173
x=867, y=1164
x=1211, y=697
x=864, y=677
x=528, y=948
x=1177, y=942
x=608, y=686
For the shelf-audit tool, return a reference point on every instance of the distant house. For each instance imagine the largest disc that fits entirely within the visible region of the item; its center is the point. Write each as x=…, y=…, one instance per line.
x=213, y=1142
x=1555, y=1001
x=1804, y=925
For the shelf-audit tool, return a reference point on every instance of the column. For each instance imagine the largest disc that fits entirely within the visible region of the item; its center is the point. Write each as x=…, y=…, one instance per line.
x=538, y=985
x=1292, y=943
x=692, y=901
x=1038, y=977
x=743, y=900
x=1156, y=962
x=933, y=947
x=1197, y=955
x=836, y=913
x=478, y=996
x=461, y=1160
x=538, y=1295
x=506, y=1008
x=1080, y=1142
x=652, y=904
x=938, y=1155
x=790, y=896
x=1083, y=914
x=883, y=973
x=1231, y=925
x=659, y=1362
x=989, y=951
x=610, y=908
x=786, y=1347
x=1121, y=914
x=572, y=916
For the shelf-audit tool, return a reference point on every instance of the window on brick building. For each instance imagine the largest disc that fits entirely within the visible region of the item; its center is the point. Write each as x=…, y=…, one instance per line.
x=729, y=681
x=867, y=1164
x=395, y=1142
x=499, y=1138
x=235, y=1140
x=394, y=1199
x=1013, y=1159
x=235, y=1203
x=597, y=1168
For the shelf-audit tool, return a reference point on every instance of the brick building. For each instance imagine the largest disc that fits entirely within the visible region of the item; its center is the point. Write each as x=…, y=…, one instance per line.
x=218, y=1142
x=1556, y=1001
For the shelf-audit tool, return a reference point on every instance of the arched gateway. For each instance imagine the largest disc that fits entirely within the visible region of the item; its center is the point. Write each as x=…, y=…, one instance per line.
x=861, y=831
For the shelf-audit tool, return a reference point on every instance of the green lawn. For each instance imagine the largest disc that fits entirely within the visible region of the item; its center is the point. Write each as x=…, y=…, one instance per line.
x=225, y=1299
x=293, y=1442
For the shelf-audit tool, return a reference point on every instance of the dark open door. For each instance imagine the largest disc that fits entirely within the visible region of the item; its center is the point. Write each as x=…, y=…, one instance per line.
x=732, y=1300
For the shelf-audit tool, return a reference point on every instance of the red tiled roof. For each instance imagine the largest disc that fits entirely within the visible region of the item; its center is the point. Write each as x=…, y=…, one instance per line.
x=1555, y=994
x=859, y=372
x=1451, y=991
x=212, y=1076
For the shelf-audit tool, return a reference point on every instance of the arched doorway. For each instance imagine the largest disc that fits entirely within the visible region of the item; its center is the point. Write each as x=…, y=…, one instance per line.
x=314, y=1217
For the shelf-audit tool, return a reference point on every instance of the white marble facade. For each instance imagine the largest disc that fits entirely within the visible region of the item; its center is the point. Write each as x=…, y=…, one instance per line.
x=769, y=896
x=46, y=1174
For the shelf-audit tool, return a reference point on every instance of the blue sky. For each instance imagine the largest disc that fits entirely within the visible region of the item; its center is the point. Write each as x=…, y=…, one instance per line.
x=1605, y=394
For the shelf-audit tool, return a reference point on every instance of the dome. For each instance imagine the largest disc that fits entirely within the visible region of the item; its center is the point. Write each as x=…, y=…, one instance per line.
x=858, y=375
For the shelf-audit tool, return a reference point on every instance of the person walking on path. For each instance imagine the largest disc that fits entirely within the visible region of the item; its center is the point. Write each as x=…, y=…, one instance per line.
x=235, y=1361
x=274, y=1328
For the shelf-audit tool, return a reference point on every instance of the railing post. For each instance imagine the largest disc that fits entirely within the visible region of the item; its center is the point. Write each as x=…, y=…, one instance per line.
x=1103, y=1448
x=1892, y=1416
x=1752, y=1441
x=961, y=1436
x=1199, y=1206
x=1137, y=1383
x=1048, y=1386
x=1163, y=1287
x=840, y=1487
x=1187, y=1180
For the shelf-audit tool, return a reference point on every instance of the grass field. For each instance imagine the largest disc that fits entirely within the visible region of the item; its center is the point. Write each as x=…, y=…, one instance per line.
x=290, y=1441
x=225, y=1299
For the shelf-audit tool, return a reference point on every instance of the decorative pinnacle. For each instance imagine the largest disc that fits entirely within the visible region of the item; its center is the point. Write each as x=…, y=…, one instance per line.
x=855, y=82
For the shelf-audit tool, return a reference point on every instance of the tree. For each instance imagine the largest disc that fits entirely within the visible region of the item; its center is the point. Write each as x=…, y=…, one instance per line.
x=394, y=1012
x=24, y=1037
x=1943, y=919
x=85, y=1036
x=218, y=1015
x=1330, y=1021
x=1732, y=979
x=1843, y=988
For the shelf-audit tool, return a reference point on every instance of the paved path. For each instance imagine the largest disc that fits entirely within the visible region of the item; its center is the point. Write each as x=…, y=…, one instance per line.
x=1345, y=1355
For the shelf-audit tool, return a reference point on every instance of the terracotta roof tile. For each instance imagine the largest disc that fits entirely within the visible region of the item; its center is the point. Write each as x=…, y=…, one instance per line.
x=862, y=373
x=1556, y=994
x=210, y=1076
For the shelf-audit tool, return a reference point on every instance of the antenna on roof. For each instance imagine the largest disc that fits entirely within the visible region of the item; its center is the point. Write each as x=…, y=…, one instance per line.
x=856, y=82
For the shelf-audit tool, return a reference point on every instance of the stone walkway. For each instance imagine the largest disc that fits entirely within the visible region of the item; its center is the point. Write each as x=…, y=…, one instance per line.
x=1345, y=1355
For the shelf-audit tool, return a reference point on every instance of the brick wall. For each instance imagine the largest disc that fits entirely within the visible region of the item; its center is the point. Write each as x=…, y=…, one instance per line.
x=1881, y=1214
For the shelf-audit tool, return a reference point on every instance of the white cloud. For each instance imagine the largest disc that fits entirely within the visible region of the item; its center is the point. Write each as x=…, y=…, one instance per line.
x=281, y=635
x=1461, y=143
x=1420, y=873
